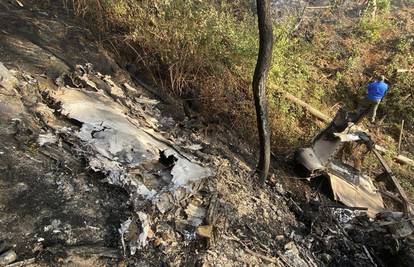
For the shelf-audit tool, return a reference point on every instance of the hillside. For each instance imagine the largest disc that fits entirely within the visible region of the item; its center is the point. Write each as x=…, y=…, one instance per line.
x=128, y=136
x=324, y=56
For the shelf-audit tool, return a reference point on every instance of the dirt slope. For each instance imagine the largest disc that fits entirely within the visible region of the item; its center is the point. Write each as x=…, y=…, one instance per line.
x=58, y=211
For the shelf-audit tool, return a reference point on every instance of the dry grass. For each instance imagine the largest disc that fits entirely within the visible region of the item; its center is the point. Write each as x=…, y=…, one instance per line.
x=205, y=52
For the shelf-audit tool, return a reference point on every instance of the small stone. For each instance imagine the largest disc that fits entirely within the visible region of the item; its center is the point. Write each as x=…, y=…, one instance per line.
x=265, y=214
x=280, y=237
x=158, y=241
x=21, y=187
x=38, y=247
x=205, y=231
x=291, y=246
x=279, y=189
x=8, y=257
x=326, y=257
x=7, y=79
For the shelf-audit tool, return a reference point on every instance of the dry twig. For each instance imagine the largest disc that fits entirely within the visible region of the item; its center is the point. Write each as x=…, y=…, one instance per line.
x=258, y=255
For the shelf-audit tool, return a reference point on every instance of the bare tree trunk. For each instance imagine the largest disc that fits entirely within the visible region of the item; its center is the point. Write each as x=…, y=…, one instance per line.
x=259, y=85
x=374, y=9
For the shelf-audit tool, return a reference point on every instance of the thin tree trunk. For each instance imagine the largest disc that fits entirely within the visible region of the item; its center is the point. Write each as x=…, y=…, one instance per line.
x=259, y=85
x=374, y=9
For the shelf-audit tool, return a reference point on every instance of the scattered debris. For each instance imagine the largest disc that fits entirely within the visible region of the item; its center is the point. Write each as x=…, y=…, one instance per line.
x=344, y=215
x=47, y=138
x=19, y=3
x=119, y=140
x=144, y=100
x=114, y=90
x=123, y=231
x=133, y=154
x=359, y=191
x=195, y=214
x=54, y=227
x=349, y=185
x=146, y=230
x=119, y=133
x=194, y=147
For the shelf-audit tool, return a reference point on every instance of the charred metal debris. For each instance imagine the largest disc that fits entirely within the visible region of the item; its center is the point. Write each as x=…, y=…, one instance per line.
x=174, y=213
x=350, y=185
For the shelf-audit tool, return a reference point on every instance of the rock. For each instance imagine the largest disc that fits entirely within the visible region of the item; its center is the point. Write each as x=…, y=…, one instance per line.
x=8, y=257
x=19, y=188
x=326, y=257
x=265, y=214
x=55, y=226
x=280, y=237
x=292, y=247
x=205, y=231
x=7, y=80
x=279, y=188
x=38, y=247
x=10, y=102
x=402, y=228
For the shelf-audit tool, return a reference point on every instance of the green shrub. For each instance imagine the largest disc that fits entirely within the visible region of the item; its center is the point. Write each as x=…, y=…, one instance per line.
x=369, y=30
x=206, y=50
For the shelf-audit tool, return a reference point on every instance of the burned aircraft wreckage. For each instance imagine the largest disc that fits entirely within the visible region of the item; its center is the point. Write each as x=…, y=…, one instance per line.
x=349, y=185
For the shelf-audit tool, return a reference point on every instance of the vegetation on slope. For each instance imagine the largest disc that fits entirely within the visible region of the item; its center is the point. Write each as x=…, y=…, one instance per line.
x=205, y=51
